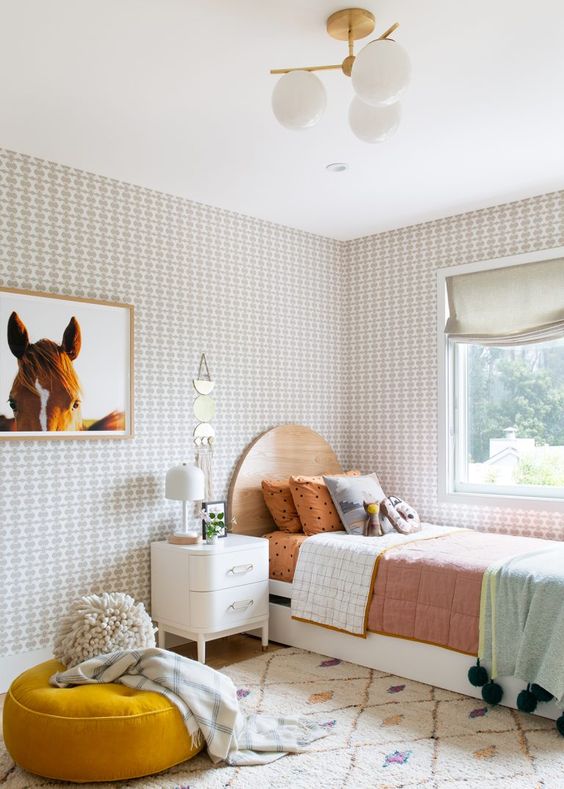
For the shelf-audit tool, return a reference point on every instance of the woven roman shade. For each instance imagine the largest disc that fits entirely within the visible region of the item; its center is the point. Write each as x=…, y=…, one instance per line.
x=507, y=306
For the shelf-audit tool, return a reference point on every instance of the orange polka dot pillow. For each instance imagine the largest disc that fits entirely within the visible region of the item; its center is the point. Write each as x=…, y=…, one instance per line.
x=283, y=554
x=278, y=499
x=314, y=504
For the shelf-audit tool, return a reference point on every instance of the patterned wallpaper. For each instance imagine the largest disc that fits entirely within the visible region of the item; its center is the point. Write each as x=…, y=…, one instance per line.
x=339, y=336
x=392, y=349
x=262, y=301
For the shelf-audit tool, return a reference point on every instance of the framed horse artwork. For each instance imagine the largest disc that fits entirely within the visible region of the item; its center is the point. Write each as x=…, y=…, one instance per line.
x=66, y=367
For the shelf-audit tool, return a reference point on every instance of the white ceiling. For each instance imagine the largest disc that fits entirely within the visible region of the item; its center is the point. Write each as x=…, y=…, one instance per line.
x=175, y=95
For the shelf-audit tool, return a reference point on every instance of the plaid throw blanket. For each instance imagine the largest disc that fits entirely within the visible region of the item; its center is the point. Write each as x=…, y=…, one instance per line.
x=207, y=701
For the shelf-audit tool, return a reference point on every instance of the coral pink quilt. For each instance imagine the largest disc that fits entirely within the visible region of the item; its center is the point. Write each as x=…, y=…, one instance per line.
x=429, y=590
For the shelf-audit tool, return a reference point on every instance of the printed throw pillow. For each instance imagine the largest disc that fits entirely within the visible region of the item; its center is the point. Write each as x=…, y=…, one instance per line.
x=349, y=495
x=397, y=515
x=283, y=552
x=315, y=507
x=278, y=499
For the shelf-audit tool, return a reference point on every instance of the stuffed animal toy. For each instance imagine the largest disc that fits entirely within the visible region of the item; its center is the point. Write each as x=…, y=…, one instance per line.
x=372, y=525
x=398, y=515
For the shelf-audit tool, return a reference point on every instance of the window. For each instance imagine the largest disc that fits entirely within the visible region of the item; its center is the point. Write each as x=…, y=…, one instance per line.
x=508, y=418
x=501, y=370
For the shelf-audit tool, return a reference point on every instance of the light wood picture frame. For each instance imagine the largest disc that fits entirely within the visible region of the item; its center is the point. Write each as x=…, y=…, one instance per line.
x=66, y=367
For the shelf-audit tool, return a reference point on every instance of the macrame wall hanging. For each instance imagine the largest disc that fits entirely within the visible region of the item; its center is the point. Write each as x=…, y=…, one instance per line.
x=204, y=432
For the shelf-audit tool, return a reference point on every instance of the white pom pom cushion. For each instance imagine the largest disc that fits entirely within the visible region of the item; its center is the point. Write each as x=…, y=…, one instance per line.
x=97, y=624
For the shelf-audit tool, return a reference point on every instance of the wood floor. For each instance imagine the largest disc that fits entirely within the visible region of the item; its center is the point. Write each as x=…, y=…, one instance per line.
x=219, y=653
x=225, y=651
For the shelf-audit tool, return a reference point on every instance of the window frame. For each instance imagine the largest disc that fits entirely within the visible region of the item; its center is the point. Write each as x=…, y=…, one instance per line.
x=449, y=407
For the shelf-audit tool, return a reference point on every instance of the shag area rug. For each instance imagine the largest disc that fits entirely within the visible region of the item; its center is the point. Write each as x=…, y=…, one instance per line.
x=386, y=733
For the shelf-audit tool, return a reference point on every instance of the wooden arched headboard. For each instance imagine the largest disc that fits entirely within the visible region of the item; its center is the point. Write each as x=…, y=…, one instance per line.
x=279, y=453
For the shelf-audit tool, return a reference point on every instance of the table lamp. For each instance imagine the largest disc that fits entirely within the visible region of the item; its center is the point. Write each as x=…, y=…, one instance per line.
x=185, y=483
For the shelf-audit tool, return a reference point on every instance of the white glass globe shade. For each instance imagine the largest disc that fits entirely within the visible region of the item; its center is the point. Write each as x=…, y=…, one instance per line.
x=373, y=124
x=381, y=72
x=298, y=100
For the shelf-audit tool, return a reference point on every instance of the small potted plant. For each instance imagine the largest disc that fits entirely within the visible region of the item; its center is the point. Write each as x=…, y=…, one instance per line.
x=215, y=525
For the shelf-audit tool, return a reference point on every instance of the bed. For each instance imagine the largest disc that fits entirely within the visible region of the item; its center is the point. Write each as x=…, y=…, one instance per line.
x=437, y=646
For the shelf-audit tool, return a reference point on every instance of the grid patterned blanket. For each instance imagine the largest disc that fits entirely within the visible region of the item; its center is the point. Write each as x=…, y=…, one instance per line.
x=207, y=701
x=335, y=575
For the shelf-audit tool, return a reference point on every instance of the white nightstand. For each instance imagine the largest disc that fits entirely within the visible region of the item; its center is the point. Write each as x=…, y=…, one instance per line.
x=205, y=591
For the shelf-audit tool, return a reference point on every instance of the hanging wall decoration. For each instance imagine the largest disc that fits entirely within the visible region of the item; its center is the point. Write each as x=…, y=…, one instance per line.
x=204, y=432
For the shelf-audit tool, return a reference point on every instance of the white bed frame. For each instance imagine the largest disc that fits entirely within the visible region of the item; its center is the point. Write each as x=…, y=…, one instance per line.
x=295, y=449
x=414, y=660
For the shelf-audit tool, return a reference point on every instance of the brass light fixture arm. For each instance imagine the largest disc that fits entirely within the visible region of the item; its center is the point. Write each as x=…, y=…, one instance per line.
x=387, y=33
x=303, y=68
x=346, y=65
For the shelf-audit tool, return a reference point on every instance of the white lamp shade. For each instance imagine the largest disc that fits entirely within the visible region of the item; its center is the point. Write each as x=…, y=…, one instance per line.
x=298, y=100
x=373, y=124
x=185, y=483
x=381, y=72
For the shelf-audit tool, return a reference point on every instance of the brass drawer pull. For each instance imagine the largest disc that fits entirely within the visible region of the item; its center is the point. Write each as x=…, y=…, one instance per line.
x=241, y=569
x=242, y=605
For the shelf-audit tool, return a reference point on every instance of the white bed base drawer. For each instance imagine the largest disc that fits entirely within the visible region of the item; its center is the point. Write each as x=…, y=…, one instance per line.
x=414, y=660
x=230, y=569
x=227, y=608
x=280, y=588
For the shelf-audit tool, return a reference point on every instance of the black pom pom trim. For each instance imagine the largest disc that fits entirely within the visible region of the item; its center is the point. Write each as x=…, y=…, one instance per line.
x=540, y=693
x=477, y=675
x=492, y=693
x=560, y=725
x=526, y=701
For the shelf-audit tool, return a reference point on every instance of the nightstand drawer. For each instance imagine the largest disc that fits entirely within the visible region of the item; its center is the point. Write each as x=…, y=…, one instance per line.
x=225, y=608
x=225, y=570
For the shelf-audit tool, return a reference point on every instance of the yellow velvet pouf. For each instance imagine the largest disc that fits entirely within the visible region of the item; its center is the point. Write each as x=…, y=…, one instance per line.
x=91, y=732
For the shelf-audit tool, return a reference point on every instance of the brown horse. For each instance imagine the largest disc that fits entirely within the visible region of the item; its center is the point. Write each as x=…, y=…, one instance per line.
x=45, y=394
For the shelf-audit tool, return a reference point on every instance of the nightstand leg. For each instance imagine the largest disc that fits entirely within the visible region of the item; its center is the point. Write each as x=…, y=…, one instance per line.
x=201, y=649
x=161, y=636
x=265, y=636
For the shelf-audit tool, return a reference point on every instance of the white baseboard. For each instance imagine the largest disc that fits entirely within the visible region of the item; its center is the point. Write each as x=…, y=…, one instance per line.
x=12, y=666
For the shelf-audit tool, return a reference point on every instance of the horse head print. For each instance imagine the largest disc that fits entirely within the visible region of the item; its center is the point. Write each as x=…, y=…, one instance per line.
x=77, y=383
x=45, y=394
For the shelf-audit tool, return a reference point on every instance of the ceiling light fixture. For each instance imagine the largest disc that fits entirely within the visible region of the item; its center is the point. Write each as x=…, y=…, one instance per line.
x=380, y=73
x=337, y=167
